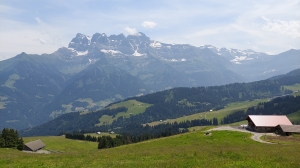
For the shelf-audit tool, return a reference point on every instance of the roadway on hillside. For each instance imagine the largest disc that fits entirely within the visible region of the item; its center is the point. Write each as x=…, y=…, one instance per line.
x=255, y=135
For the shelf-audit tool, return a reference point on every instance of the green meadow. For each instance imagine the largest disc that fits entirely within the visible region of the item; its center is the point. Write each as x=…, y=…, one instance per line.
x=294, y=88
x=295, y=117
x=193, y=149
x=134, y=107
x=219, y=114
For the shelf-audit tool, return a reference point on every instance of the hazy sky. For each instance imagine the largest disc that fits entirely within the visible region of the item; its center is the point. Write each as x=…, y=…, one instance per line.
x=36, y=27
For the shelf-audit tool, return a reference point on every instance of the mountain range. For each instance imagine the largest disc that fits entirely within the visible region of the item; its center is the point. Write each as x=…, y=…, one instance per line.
x=93, y=72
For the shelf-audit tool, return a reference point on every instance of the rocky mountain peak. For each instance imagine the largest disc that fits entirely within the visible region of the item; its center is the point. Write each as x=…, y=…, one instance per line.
x=80, y=42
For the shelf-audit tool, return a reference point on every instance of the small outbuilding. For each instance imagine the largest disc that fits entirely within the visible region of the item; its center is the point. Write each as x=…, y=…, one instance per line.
x=266, y=123
x=34, y=145
x=288, y=129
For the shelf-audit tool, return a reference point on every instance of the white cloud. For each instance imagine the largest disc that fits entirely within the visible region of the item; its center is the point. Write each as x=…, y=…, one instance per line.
x=42, y=41
x=148, y=24
x=131, y=31
x=38, y=19
x=290, y=28
x=231, y=24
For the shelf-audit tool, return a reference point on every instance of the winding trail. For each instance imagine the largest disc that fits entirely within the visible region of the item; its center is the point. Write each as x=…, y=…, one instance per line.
x=255, y=135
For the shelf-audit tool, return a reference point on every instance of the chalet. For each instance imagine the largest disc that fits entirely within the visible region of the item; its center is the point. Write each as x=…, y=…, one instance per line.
x=288, y=129
x=34, y=145
x=266, y=123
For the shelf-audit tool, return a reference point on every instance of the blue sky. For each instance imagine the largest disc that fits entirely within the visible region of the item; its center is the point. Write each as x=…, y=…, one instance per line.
x=37, y=27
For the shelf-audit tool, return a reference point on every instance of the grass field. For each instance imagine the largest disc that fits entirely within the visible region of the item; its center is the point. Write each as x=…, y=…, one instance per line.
x=220, y=114
x=134, y=107
x=194, y=149
x=294, y=88
x=295, y=117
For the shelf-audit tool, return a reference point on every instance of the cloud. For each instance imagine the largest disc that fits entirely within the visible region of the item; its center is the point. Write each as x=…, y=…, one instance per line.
x=41, y=40
x=38, y=19
x=231, y=24
x=290, y=28
x=148, y=24
x=131, y=31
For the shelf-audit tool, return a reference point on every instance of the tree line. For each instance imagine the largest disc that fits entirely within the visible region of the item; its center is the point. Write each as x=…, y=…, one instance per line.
x=278, y=106
x=134, y=133
x=9, y=138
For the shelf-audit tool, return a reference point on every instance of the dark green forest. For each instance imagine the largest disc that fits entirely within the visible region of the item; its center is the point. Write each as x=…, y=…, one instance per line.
x=9, y=138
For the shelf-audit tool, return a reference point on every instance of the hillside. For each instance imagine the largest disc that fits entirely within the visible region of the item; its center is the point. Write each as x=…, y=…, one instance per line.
x=220, y=149
x=93, y=72
x=169, y=104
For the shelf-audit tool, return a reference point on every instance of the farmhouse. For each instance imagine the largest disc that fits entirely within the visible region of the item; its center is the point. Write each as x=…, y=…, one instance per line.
x=266, y=123
x=34, y=145
x=288, y=129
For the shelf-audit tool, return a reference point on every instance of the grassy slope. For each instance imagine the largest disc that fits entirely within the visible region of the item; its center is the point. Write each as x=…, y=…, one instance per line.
x=220, y=114
x=295, y=117
x=134, y=108
x=221, y=149
x=294, y=88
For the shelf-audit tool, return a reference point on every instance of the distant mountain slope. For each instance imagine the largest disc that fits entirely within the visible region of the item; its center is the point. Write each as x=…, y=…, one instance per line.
x=95, y=87
x=173, y=103
x=26, y=87
x=95, y=71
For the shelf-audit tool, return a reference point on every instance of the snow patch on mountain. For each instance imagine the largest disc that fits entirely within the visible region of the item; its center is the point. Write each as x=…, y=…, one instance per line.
x=89, y=39
x=155, y=44
x=237, y=59
x=82, y=53
x=91, y=61
x=137, y=54
x=79, y=53
x=113, y=52
x=175, y=60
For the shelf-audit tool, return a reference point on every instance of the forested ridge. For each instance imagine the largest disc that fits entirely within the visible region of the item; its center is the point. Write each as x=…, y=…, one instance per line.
x=171, y=103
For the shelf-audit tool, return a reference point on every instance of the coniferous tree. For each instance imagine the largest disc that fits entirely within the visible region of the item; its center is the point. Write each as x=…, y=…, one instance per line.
x=20, y=145
x=9, y=138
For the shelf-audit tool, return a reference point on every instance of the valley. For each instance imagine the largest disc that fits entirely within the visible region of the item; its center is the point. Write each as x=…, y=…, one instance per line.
x=172, y=84
x=93, y=72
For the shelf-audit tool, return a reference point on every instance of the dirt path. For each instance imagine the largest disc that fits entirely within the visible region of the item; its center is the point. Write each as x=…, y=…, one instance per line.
x=255, y=135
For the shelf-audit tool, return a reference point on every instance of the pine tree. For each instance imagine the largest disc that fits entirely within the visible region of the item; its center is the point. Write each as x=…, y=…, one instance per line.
x=20, y=145
x=2, y=142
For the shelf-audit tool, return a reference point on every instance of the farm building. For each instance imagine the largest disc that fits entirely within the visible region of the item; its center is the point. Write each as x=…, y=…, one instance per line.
x=288, y=129
x=34, y=145
x=266, y=123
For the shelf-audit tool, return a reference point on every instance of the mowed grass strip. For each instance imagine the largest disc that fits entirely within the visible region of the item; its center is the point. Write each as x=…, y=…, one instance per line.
x=194, y=149
x=219, y=114
x=101, y=134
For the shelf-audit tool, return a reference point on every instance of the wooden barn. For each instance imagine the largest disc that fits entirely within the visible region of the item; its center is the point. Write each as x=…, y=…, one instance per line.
x=266, y=123
x=288, y=129
x=34, y=145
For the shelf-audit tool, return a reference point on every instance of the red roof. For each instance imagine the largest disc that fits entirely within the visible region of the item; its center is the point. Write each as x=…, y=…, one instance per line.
x=269, y=120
